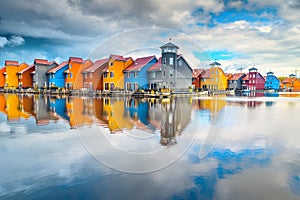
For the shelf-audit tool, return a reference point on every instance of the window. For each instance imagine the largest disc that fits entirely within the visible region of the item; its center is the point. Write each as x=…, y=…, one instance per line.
x=70, y=66
x=128, y=86
x=203, y=79
x=106, y=86
x=71, y=75
x=152, y=75
x=217, y=79
x=212, y=71
x=85, y=75
x=111, y=74
x=91, y=75
x=136, y=86
x=112, y=86
x=171, y=61
x=128, y=74
x=105, y=74
x=164, y=73
x=217, y=72
x=171, y=73
x=111, y=64
x=164, y=60
x=52, y=76
x=134, y=74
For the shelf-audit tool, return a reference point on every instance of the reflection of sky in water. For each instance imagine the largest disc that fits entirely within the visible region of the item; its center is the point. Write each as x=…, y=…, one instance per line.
x=257, y=156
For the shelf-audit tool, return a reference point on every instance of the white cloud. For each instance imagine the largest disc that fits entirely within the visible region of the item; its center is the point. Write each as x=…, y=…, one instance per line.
x=3, y=41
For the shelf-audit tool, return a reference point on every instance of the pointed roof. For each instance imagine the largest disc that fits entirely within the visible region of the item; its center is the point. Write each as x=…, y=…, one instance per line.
x=41, y=61
x=290, y=80
x=246, y=78
x=54, y=70
x=156, y=66
x=197, y=72
x=270, y=73
x=97, y=64
x=75, y=59
x=11, y=62
x=292, y=75
x=236, y=76
x=25, y=69
x=139, y=63
x=252, y=69
x=117, y=57
x=169, y=44
x=215, y=63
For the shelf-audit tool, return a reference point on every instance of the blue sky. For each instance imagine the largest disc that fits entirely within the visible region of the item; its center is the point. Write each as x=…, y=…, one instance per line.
x=236, y=33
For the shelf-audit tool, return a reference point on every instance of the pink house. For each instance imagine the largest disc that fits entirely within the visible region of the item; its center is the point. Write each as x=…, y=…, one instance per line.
x=253, y=81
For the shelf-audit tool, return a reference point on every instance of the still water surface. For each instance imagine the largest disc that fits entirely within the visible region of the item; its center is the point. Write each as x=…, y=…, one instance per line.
x=121, y=148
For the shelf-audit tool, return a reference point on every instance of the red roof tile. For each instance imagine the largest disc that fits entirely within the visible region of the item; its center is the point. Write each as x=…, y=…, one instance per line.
x=99, y=63
x=25, y=69
x=75, y=59
x=117, y=57
x=156, y=66
x=54, y=70
x=197, y=72
x=139, y=63
x=41, y=61
x=205, y=73
x=11, y=62
x=236, y=76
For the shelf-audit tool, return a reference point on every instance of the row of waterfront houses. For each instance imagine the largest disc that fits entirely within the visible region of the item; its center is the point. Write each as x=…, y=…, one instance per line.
x=170, y=71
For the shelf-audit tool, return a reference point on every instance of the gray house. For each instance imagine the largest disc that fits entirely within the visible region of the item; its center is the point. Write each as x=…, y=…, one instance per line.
x=171, y=71
x=40, y=78
x=235, y=81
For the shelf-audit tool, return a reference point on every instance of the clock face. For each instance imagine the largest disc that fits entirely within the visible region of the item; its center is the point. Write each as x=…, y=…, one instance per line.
x=180, y=63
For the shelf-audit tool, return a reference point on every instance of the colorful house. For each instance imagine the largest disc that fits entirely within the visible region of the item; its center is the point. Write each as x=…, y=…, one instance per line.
x=253, y=81
x=93, y=75
x=2, y=77
x=74, y=76
x=136, y=75
x=56, y=75
x=11, y=77
x=196, y=78
x=291, y=83
x=235, y=81
x=205, y=80
x=25, y=77
x=272, y=82
x=175, y=74
x=113, y=78
x=218, y=80
x=40, y=77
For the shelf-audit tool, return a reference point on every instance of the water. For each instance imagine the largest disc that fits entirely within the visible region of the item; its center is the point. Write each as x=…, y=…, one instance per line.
x=120, y=148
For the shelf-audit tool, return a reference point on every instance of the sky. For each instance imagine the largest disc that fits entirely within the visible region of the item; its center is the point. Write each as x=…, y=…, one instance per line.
x=239, y=34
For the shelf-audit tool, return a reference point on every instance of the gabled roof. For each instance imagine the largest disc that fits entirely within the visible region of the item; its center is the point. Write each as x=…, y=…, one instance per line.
x=205, y=73
x=215, y=63
x=169, y=44
x=54, y=70
x=197, y=72
x=117, y=57
x=156, y=66
x=25, y=69
x=97, y=64
x=236, y=76
x=41, y=61
x=270, y=73
x=292, y=75
x=11, y=62
x=75, y=59
x=139, y=63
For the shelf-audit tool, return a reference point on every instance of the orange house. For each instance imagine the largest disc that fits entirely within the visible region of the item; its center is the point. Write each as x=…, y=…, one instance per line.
x=74, y=77
x=25, y=77
x=2, y=77
x=93, y=75
x=11, y=77
x=113, y=78
x=291, y=83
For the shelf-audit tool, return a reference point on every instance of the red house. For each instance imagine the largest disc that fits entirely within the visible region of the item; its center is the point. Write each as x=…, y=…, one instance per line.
x=253, y=81
x=196, y=78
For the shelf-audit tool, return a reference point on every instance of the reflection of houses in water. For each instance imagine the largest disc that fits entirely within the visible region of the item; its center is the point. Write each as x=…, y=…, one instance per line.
x=171, y=116
x=14, y=109
x=2, y=104
x=75, y=112
x=58, y=107
x=42, y=110
x=114, y=115
x=214, y=105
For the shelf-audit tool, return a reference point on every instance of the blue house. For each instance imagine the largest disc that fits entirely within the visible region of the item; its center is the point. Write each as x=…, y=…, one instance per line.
x=272, y=82
x=136, y=75
x=58, y=107
x=56, y=76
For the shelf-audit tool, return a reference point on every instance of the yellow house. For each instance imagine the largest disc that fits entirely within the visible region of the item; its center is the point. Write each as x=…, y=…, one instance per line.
x=11, y=76
x=114, y=115
x=13, y=109
x=213, y=78
x=113, y=77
